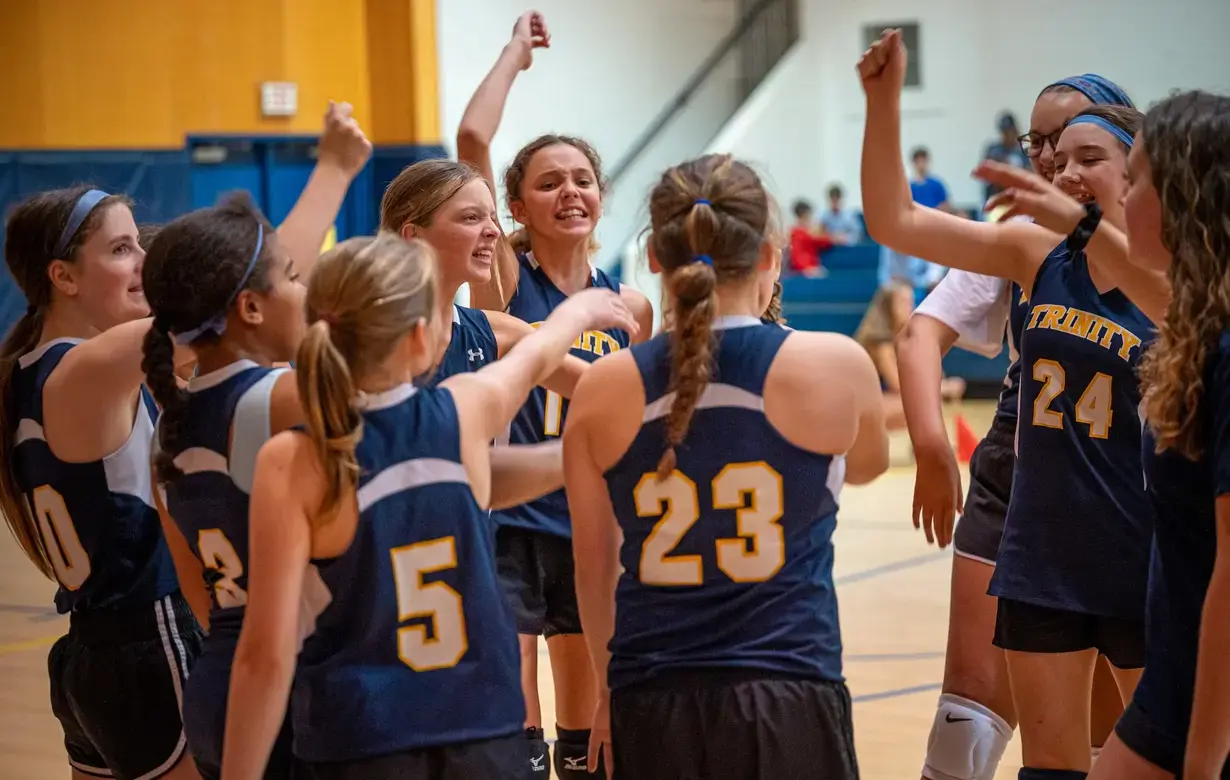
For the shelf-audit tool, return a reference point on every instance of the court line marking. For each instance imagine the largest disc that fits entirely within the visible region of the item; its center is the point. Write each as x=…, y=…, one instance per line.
x=29, y=644
x=874, y=657
x=896, y=692
x=893, y=566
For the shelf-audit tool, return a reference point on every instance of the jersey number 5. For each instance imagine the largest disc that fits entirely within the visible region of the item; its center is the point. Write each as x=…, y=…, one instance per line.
x=60, y=540
x=433, y=600
x=1093, y=408
x=753, y=490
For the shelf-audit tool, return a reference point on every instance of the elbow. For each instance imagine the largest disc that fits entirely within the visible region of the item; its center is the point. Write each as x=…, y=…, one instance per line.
x=472, y=144
x=906, y=338
x=885, y=222
x=866, y=466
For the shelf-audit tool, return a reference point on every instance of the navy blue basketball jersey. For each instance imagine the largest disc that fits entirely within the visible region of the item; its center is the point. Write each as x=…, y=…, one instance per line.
x=417, y=646
x=97, y=520
x=543, y=415
x=1183, y=494
x=1079, y=524
x=471, y=347
x=1009, y=397
x=223, y=427
x=728, y=562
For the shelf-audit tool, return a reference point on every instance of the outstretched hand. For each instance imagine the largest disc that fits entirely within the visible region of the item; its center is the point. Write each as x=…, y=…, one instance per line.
x=531, y=33
x=1026, y=193
x=881, y=69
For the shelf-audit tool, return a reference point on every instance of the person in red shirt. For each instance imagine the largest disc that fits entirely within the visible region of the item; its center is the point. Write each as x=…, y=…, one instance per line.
x=807, y=241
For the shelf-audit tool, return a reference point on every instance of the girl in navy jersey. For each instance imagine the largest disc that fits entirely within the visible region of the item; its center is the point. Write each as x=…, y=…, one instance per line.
x=1072, y=565
x=75, y=486
x=716, y=453
x=223, y=282
x=975, y=717
x=554, y=187
x=369, y=539
x=451, y=207
x=1178, y=196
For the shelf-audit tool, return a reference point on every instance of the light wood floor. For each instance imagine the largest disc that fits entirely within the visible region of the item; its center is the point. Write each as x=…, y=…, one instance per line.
x=893, y=592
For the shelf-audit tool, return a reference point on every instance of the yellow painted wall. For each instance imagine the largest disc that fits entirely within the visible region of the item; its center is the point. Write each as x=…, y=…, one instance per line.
x=98, y=74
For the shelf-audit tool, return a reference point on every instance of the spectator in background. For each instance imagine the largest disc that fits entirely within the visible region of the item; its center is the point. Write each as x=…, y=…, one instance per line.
x=807, y=241
x=1006, y=150
x=929, y=191
x=841, y=226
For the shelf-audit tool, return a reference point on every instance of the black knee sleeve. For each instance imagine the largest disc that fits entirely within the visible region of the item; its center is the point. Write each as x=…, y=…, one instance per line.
x=571, y=751
x=540, y=754
x=1029, y=773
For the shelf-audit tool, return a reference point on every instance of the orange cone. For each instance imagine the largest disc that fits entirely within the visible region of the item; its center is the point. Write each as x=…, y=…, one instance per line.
x=966, y=440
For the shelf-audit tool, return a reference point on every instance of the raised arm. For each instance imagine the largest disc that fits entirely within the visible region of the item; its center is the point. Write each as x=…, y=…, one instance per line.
x=488, y=399
x=1011, y=250
x=478, y=127
x=344, y=150
x=509, y=331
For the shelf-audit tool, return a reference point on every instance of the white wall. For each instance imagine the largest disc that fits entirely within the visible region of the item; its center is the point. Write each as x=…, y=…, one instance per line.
x=611, y=68
x=980, y=57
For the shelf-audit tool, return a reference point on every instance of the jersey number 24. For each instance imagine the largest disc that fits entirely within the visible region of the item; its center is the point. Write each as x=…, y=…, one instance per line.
x=753, y=490
x=1093, y=408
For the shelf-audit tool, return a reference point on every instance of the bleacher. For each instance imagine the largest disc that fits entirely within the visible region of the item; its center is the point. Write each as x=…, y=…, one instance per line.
x=837, y=303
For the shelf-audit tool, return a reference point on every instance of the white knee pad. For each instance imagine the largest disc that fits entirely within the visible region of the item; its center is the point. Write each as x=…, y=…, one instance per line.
x=967, y=741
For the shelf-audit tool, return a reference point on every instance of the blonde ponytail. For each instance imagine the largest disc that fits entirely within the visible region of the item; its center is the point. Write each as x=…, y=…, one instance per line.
x=328, y=392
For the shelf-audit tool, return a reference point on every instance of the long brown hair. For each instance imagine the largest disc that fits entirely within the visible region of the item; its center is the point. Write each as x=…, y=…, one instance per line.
x=365, y=295
x=514, y=178
x=32, y=233
x=418, y=192
x=709, y=218
x=1189, y=161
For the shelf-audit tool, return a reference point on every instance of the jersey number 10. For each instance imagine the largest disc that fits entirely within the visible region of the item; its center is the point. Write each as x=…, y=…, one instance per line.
x=753, y=490
x=60, y=540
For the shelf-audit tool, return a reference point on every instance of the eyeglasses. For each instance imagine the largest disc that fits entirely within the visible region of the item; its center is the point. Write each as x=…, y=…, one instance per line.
x=1033, y=143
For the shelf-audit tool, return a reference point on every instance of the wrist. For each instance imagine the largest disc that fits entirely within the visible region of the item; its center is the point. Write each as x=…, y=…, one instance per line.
x=331, y=168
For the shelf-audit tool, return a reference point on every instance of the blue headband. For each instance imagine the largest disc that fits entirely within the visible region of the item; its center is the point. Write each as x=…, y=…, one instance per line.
x=1110, y=127
x=217, y=323
x=84, y=205
x=1099, y=89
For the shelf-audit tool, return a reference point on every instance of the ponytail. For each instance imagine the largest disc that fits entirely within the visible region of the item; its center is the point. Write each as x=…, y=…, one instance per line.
x=159, y=367
x=694, y=289
x=327, y=390
x=16, y=507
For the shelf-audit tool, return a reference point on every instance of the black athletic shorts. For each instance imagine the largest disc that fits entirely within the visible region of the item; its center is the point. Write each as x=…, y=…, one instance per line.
x=502, y=758
x=536, y=572
x=743, y=724
x=117, y=678
x=981, y=526
x=1029, y=628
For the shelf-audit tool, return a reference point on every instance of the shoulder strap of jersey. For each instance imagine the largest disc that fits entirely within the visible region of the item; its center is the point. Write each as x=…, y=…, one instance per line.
x=250, y=428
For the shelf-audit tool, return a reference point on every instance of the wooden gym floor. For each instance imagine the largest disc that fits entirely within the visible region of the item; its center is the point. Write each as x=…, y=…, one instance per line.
x=893, y=591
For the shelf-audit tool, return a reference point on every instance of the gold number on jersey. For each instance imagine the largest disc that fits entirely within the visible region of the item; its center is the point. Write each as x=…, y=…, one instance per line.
x=68, y=558
x=1092, y=409
x=552, y=411
x=754, y=490
x=218, y=554
x=433, y=600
